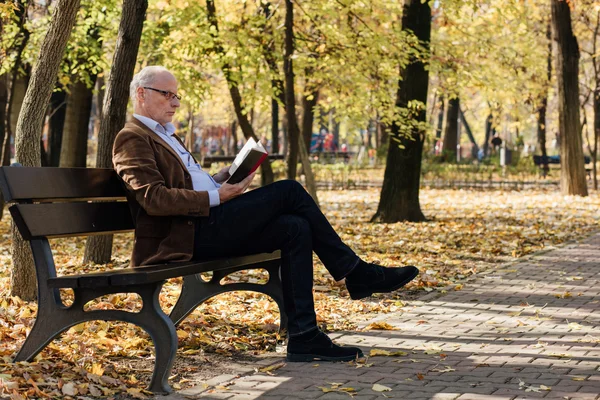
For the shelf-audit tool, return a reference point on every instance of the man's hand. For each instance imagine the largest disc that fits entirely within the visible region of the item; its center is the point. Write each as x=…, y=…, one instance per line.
x=228, y=191
x=222, y=175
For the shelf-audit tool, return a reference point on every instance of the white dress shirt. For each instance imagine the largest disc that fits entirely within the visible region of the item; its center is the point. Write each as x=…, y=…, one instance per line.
x=201, y=180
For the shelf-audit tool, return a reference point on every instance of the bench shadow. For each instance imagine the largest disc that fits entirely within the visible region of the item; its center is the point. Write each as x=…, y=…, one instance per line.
x=424, y=376
x=528, y=330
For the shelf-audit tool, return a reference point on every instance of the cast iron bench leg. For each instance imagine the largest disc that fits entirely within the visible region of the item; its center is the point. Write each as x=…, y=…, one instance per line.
x=47, y=326
x=53, y=318
x=162, y=331
x=196, y=291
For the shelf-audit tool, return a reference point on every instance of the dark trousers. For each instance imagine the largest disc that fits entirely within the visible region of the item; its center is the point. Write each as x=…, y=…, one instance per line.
x=281, y=216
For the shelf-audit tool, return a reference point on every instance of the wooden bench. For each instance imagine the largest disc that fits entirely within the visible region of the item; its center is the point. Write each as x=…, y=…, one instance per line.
x=329, y=157
x=58, y=202
x=555, y=160
x=208, y=160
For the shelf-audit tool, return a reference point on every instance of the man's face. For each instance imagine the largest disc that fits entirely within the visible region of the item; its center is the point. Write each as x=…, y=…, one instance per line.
x=158, y=100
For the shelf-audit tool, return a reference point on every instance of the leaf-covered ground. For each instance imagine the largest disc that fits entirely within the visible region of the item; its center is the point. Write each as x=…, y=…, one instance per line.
x=467, y=231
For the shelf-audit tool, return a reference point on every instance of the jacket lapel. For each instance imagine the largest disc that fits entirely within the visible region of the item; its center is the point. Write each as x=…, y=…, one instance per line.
x=158, y=140
x=183, y=144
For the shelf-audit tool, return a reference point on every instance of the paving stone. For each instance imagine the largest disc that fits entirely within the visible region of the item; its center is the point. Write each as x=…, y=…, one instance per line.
x=473, y=396
x=208, y=395
x=519, y=393
x=243, y=384
x=219, y=380
x=345, y=396
x=445, y=396
x=574, y=396
x=488, y=349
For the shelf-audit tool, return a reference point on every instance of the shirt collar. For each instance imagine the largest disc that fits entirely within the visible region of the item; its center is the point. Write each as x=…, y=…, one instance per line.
x=168, y=129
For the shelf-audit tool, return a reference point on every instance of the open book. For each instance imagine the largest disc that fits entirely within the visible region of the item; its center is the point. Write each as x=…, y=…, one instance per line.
x=247, y=161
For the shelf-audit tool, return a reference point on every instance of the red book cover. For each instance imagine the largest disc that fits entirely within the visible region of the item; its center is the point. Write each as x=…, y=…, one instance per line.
x=247, y=161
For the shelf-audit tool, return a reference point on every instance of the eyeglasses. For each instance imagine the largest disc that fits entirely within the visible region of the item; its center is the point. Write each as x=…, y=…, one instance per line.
x=168, y=95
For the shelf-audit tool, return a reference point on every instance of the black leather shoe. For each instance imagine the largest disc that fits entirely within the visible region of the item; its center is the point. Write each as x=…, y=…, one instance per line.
x=367, y=279
x=321, y=348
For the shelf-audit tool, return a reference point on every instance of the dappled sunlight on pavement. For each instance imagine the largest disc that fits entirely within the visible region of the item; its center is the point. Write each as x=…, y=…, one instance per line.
x=525, y=330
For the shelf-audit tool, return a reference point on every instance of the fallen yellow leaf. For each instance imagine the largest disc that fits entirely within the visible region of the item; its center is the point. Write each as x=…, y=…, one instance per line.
x=97, y=369
x=380, y=388
x=381, y=326
x=380, y=352
x=271, y=368
x=136, y=393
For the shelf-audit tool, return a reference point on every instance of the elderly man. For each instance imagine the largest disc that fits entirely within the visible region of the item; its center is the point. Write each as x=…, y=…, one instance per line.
x=182, y=213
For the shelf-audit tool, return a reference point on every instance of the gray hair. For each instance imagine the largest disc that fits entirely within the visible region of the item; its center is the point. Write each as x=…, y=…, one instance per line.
x=144, y=78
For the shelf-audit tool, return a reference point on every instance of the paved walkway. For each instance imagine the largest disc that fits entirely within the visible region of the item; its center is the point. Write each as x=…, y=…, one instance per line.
x=522, y=331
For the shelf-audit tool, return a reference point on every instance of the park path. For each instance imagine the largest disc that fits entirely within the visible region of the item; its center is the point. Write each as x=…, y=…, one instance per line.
x=525, y=330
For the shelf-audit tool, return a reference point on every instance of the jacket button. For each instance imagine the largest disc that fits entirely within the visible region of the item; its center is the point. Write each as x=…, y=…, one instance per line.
x=190, y=223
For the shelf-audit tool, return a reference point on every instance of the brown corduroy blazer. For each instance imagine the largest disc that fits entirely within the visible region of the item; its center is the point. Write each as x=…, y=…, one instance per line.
x=161, y=196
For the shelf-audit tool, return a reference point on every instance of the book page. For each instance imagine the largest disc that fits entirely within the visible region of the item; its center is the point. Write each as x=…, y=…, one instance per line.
x=260, y=147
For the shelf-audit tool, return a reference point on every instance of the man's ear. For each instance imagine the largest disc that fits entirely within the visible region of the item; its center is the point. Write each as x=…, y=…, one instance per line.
x=140, y=93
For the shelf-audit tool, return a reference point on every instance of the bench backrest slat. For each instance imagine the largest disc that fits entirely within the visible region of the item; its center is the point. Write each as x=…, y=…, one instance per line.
x=71, y=219
x=40, y=184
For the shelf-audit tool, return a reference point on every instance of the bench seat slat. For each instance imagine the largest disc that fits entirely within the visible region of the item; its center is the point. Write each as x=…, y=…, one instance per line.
x=48, y=183
x=539, y=160
x=53, y=220
x=155, y=273
x=208, y=160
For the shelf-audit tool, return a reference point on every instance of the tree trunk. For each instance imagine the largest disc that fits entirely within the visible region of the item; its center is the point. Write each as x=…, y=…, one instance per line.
x=308, y=116
x=268, y=50
x=266, y=172
x=15, y=91
x=75, y=136
x=336, y=130
x=16, y=96
x=100, y=89
x=43, y=154
x=286, y=134
x=372, y=129
x=451, y=133
x=384, y=131
x=377, y=128
x=440, y=121
x=189, y=137
x=274, y=126
x=541, y=133
x=596, y=132
x=488, y=134
x=475, y=149
x=15, y=87
x=541, y=126
x=58, y=108
x=290, y=96
x=399, y=199
x=233, y=150
x=323, y=120
x=29, y=128
x=572, y=177
x=297, y=143
x=596, y=103
x=3, y=101
x=98, y=249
